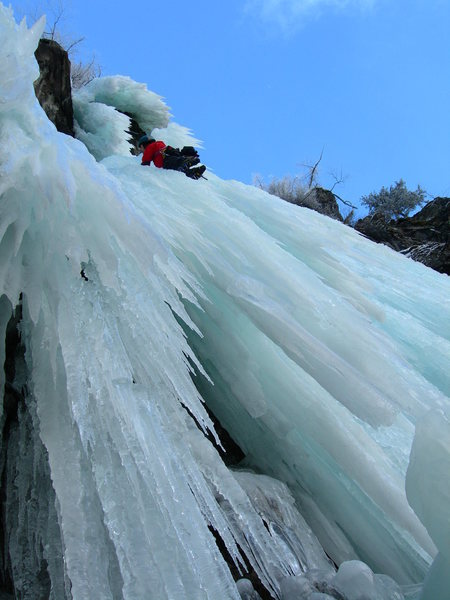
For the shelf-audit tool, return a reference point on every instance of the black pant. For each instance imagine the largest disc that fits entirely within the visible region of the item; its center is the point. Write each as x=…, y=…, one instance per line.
x=174, y=163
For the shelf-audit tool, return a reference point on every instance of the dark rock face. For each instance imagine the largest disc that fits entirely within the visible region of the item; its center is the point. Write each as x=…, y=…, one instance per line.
x=31, y=544
x=424, y=237
x=326, y=203
x=53, y=88
x=318, y=199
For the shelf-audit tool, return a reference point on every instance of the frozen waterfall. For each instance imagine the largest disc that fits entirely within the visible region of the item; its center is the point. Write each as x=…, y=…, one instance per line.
x=137, y=307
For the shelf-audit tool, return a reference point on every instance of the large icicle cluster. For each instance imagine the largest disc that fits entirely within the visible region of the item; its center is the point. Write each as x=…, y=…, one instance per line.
x=129, y=484
x=317, y=344
x=121, y=288
x=103, y=110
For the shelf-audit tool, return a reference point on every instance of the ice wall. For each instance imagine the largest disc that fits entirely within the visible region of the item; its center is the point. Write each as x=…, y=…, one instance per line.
x=316, y=343
x=428, y=489
x=105, y=423
x=318, y=351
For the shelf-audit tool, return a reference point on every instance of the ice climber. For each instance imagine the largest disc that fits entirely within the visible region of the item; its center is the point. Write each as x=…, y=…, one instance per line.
x=166, y=157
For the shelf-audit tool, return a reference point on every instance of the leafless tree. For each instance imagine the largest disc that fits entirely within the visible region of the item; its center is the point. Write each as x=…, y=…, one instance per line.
x=82, y=73
x=56, y=12
x=312, y=174
x=303, y=189
x=288, y=188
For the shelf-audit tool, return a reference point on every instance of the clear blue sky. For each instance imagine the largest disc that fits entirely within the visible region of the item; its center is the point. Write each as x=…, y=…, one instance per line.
x=268, y=84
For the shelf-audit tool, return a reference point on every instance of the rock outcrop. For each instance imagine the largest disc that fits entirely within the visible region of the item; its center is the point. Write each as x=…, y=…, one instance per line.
x=424, y=237
x=317, y=198
x=53, y=88
x=326, y=203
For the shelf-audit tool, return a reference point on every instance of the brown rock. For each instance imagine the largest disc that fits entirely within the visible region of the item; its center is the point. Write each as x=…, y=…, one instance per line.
x=424, y=237
x=53, y=88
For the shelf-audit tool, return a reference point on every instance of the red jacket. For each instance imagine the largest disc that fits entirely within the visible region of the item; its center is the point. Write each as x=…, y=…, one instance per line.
x=153, y=153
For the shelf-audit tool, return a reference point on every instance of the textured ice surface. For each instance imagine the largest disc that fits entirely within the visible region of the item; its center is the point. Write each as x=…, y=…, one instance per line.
x=313, y=375
x=102, y=125
x=428, y=489
x=353, y=581
x=318, y=351
x=127, y=96
x=246, y=590
x=291, y=535
x=296, y=587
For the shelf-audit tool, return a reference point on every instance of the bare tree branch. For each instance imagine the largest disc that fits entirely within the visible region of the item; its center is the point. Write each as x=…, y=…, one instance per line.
x=312, y=174
x=303, y=190
x=338, y=179
x=346, y=202
x=55, y=16
x=81, y=72
x=69, y=47
x=314, y=170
